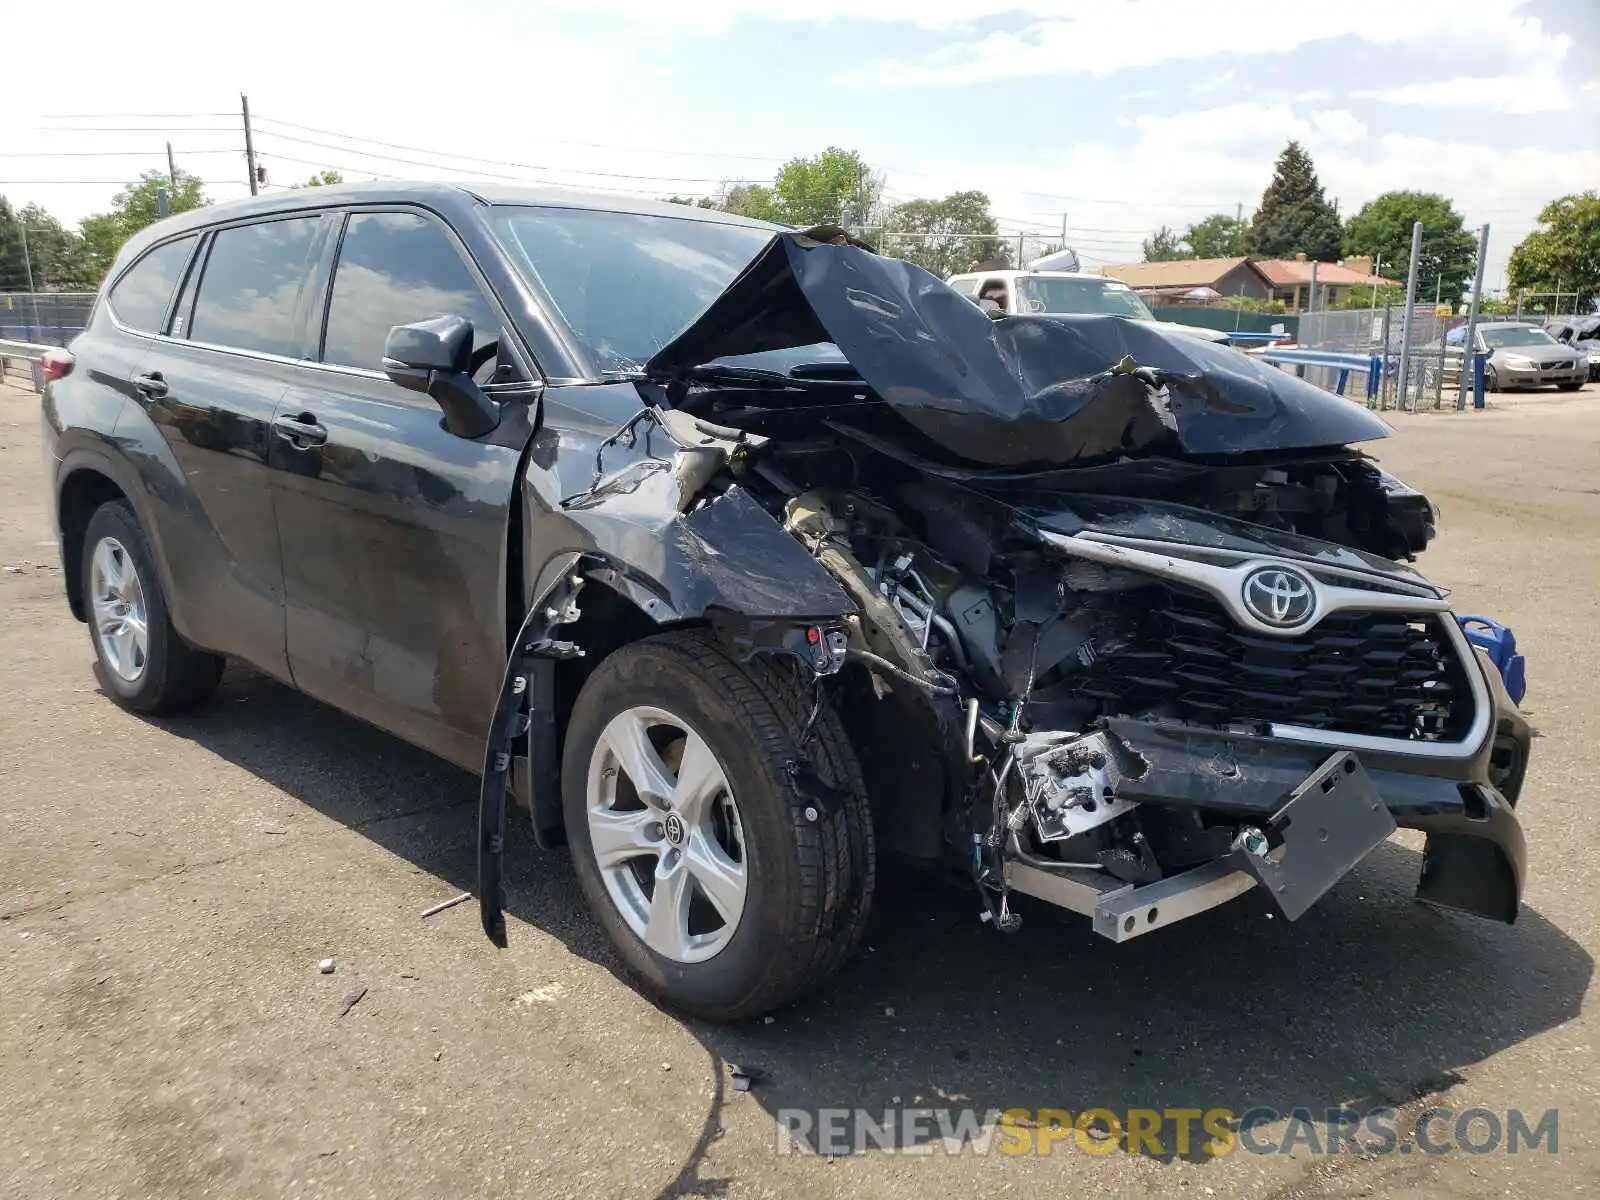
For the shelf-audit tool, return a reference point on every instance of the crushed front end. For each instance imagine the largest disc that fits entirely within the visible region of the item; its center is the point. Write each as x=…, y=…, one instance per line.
x=1134, y=629
x=1139, y=728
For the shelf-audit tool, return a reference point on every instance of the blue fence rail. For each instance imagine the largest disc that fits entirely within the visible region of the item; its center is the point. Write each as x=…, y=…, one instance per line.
x=1376, y=366
x=44, y=318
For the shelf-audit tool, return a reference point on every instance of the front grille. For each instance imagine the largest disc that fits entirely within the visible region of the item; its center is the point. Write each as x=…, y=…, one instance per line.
x=1384, y=674
x=1552, y=366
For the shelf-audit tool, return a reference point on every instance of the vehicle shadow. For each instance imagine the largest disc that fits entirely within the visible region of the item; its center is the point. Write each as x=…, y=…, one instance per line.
x=1368, y=1001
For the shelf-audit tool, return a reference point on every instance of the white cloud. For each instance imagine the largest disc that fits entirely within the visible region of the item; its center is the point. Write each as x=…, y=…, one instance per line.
x=1180, y=168
x=1533, y=91
x=1247, y=123
x=1113, y=35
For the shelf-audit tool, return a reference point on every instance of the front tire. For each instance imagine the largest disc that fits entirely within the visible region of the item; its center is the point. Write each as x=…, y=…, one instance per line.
x=727, y=884
x=140, y=660
x=1571, y=386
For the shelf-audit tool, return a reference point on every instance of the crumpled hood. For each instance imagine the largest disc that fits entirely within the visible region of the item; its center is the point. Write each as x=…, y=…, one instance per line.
x=1023, y=390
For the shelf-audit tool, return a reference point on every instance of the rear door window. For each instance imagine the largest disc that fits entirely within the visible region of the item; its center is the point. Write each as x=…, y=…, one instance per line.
x=251, y=288
x=396, y=268
x=139, y=299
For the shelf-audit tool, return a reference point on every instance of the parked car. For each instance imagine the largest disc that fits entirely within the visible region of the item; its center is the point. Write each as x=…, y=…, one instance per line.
x=737, y=556
x=1519, y=356
x=1036, y=291
x=1581, y=333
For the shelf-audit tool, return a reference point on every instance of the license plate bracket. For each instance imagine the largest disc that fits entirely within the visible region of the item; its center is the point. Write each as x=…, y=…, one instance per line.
x=1332, y=820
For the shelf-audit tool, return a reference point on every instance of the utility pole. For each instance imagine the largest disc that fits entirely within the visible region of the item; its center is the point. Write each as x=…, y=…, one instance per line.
x=1377, y=271
x=1311, y=300
x=172, y=170
x=1468, y=339
x=249, y=143
x=1405, y=317
x=27, y=266
x=27, y=260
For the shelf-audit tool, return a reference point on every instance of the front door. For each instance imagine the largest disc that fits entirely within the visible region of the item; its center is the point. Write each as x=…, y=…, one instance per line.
x=393, y=530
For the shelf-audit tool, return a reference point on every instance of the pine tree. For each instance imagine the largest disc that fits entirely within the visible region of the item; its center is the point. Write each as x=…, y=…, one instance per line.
x=1294, y=217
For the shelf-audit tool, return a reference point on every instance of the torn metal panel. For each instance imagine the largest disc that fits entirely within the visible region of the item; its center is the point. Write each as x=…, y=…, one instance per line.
x=1333, y=820
x=1021, y=390
x=525, y=700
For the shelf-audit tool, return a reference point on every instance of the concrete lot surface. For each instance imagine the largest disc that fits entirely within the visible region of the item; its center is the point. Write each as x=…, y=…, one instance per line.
x=167, y=889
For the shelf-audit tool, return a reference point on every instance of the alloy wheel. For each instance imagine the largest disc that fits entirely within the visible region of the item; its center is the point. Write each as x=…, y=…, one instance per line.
x=666, y=834
x=121, y=616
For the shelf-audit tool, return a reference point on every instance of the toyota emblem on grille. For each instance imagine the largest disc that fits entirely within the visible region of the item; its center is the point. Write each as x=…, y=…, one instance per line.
x=1279, y=597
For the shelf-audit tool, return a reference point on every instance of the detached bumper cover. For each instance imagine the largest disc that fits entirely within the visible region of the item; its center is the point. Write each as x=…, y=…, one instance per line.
x=1326, y=811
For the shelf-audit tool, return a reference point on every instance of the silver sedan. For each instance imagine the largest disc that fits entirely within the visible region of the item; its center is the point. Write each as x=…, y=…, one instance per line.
x=1523, y=356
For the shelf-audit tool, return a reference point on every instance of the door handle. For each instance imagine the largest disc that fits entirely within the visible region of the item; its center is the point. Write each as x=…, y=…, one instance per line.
x=303, y=431
x=151, y=385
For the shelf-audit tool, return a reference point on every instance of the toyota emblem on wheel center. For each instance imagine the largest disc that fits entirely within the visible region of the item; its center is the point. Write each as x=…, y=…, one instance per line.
x=1279, y=597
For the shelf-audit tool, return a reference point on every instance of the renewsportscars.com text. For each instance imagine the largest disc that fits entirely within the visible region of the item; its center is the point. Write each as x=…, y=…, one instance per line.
x=1185, y=1132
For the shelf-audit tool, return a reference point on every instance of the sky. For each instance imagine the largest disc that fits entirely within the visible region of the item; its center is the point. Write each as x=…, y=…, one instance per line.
x=1106, y=117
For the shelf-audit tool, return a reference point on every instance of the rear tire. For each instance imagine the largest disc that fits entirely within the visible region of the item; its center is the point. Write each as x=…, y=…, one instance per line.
x=140, y=660
x=797, y=886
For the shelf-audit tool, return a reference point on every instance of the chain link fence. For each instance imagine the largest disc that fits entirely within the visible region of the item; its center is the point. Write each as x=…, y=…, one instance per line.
x=44, y=318
x=1431, y=375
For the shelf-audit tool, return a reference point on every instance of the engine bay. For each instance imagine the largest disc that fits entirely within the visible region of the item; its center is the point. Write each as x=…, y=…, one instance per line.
x=1013, y=656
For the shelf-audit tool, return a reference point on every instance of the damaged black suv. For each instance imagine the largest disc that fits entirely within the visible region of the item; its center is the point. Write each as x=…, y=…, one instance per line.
x=738, y=556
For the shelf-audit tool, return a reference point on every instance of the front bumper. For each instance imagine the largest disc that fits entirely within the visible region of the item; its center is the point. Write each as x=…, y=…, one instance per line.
x=1475, y=860
x=1535, y=377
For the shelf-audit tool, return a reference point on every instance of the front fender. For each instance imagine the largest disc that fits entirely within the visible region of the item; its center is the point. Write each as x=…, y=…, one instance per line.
x=728, y=562
x=729, y=555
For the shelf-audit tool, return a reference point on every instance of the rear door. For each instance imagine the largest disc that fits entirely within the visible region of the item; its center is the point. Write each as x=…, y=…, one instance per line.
x=211, y=384
x=394, y=531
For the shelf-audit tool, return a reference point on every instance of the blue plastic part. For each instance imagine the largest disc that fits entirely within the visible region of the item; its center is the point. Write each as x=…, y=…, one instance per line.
x=1500, y=644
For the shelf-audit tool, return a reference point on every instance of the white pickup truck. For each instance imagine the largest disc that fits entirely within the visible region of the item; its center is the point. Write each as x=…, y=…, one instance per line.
x=1029, y=291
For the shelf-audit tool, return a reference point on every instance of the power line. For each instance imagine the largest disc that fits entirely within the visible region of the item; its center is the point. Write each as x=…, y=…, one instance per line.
x=163, y=129
x=130, y=116
x=98, y=182
x=411, y=162
x=498, y=162
x=103, y=153
x=299, y=141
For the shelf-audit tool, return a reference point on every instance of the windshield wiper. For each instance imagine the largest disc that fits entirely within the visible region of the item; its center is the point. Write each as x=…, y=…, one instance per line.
x=725, y=373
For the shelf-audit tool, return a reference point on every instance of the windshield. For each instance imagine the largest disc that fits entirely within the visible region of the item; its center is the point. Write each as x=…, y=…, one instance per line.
x=1518, y=335
x=626, y=283
x=1043, y=294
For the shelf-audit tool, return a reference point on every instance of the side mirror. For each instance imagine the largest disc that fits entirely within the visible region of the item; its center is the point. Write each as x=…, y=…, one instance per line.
x=435, y=358
x=992, y=307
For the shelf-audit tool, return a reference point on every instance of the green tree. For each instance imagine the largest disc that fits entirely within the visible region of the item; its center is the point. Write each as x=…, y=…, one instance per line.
x=944, y=236
x=692, y=202
x=1164, y=246
x=59, y=256
x=102, y=237
x=1382, y=229
x=13, y=265
x=1218, y=236
x=749, y=200
x=1563, y=254
x=322, y=179
x=828, y=188
x=1294, y=217
x=1364, y=297
x=133, y=208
